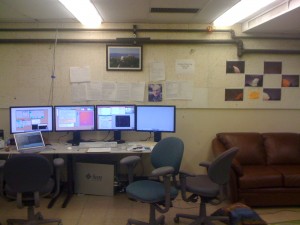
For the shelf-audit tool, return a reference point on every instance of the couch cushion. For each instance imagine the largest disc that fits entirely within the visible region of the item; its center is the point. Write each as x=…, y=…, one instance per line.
x=282, y=148
x=251, y=149
x=260, y=177
x=291, y=174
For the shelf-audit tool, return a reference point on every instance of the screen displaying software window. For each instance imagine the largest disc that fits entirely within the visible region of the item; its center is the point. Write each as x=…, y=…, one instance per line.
x=31, y=118
x=155, y=118
x=74, y=118
x=115, y=117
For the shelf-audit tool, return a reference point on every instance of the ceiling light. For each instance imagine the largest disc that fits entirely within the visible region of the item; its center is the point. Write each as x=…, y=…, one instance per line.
x=240, y=11
x=84, y=11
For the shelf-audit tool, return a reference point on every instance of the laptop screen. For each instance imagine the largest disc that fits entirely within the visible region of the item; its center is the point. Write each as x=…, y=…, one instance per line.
x=29, y=140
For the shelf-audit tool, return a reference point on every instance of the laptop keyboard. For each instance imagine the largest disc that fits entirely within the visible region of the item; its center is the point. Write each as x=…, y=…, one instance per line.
x=32, y=150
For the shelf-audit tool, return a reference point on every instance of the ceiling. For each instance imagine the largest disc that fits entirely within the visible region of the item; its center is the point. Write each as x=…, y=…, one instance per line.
x=282, y=18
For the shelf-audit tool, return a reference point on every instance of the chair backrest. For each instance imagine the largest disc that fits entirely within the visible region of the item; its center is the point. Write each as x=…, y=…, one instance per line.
x=219, y=169
x=168, y=152
x=27, y=172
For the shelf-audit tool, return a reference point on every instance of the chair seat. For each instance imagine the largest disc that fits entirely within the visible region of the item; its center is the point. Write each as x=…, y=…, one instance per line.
x=149, y=191
x=202, y=186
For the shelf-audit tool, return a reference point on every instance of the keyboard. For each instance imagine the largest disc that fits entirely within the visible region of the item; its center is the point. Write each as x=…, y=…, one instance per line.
x=98, y=150
x=98, y=144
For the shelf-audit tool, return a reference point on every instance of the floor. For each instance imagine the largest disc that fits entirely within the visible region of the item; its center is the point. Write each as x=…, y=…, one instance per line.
x=104, y=210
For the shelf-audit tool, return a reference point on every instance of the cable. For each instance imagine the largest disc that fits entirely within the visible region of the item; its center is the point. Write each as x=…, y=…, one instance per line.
x=50, y=99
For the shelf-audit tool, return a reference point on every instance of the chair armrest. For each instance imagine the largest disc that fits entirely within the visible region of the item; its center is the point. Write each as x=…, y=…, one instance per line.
x=182, y=178
x=166, y=172
x=162, y=171
x=205, y=164
x=186, y=174
x=130, y=160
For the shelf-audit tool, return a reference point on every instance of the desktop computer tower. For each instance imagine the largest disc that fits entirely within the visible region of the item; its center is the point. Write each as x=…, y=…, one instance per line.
x=94, y=179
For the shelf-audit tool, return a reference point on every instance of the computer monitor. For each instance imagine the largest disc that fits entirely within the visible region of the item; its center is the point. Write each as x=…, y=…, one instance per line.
x=156, y=118
x=115, y=118
x=74, y=118
x=31, y=118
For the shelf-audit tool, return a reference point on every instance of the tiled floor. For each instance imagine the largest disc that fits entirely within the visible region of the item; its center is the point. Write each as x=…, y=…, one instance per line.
x=103, y=210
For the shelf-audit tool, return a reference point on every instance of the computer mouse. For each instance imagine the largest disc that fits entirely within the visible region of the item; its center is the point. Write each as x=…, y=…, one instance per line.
x=69, y=148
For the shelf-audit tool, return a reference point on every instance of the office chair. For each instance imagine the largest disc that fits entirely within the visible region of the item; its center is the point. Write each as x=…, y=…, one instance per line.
x=206, y=187
x=166, y=158
x=26, y=178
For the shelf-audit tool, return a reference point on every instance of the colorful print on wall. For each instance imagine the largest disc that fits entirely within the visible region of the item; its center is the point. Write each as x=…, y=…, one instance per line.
x=290, y=81
x=254, y=94
x=235, y=67
x=272, y=67
x=155, y=92
x=253, y=80
x=271, y=94
x=234, y=94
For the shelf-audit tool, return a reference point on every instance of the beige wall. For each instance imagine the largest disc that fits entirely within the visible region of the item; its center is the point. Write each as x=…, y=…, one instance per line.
x=26, y=69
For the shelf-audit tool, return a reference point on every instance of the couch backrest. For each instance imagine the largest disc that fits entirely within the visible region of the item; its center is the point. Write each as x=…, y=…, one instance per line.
x=251, y=147
x=282, y=148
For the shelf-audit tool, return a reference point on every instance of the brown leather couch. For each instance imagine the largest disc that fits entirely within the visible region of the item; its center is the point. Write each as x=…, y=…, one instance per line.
x=266, y=170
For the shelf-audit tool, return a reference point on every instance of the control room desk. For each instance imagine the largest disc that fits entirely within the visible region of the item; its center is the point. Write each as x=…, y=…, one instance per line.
x=63, y=149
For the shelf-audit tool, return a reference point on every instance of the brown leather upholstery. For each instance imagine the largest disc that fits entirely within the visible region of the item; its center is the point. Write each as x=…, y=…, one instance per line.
x=266, y=170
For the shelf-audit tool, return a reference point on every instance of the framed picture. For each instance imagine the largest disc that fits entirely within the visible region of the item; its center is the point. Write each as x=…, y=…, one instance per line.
x=123, y=58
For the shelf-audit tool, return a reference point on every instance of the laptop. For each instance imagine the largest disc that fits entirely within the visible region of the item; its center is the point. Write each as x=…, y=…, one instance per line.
x=29, y=142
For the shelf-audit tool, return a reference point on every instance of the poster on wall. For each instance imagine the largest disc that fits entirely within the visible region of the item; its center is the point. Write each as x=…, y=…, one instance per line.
x=271, y=94
x=235, y=67
x=253, y=80
x=154, y=92
x=123, y=58
x=272, y=67
x=234, y=94
x=290, y=81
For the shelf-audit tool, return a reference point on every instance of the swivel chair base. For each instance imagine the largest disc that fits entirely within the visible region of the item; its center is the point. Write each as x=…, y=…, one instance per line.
x=152, y=220
x=33, y=219
x=202, y=218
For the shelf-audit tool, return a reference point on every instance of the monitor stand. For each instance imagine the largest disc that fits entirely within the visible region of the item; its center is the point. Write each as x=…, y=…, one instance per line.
x=117, y=137
x=157, y=136
x=76, y=139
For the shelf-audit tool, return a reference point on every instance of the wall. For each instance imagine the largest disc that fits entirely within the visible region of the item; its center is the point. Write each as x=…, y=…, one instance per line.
x=26, y=68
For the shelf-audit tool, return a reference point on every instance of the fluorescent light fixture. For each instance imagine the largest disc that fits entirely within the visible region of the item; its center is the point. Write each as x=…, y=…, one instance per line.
x=84, y=11
x=240, y=11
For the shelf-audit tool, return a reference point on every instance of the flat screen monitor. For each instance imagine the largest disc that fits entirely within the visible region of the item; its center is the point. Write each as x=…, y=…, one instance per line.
x=31, y=118
x=74, y=118
x=115, y=118
x=156, y=118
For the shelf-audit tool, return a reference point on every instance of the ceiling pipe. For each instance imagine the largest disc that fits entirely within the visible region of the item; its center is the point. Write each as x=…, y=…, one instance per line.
x=235, y=40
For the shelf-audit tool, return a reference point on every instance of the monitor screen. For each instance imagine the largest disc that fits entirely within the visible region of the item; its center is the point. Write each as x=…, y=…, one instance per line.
x=31, y=118
x=74, y=118
x=156, y=118
x=115, y=117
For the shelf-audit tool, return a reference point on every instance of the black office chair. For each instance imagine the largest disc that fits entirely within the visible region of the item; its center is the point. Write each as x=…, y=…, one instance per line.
x=207, y=187
x=166, y=158
x=26, y=178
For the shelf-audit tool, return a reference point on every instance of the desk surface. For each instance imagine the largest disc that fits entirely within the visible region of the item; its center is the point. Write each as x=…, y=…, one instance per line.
x=64, y=148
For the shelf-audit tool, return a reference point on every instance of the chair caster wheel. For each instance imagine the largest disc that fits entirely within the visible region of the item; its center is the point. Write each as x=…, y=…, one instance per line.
x=176, y=219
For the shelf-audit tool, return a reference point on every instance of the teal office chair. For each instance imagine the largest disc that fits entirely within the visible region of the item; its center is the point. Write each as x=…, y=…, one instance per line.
x=206, y=187
x=27, y=177
x=166, y=158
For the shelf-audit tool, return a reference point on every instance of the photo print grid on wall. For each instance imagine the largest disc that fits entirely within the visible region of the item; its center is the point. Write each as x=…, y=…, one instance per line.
x=255, y=82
